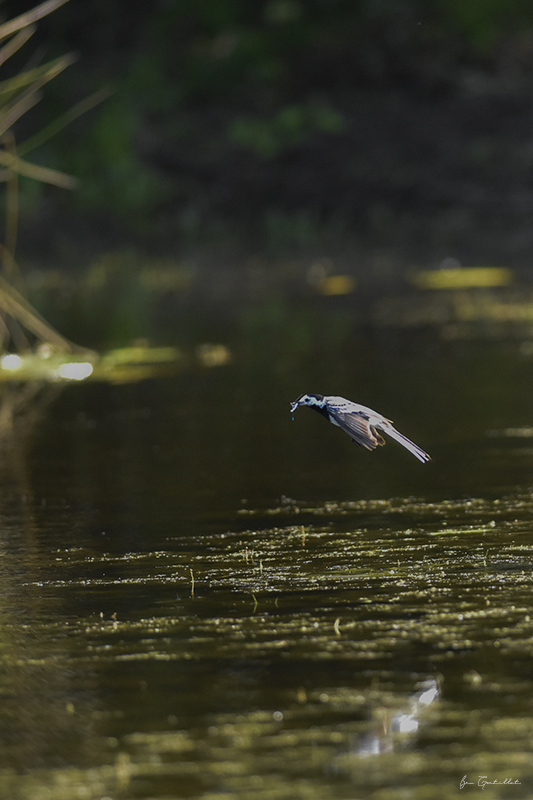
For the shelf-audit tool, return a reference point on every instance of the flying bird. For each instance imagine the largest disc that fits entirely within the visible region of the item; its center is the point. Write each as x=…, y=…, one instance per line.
x=359, y=422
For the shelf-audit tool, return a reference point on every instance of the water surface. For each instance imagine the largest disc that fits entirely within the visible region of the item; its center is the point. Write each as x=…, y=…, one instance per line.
x=203, y=598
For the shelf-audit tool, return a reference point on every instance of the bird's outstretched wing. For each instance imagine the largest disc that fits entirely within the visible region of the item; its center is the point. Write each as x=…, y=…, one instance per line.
x=358, y=427
x=361, y=424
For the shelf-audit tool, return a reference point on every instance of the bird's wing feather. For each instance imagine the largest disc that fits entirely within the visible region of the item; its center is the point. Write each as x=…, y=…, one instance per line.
x=357, y=426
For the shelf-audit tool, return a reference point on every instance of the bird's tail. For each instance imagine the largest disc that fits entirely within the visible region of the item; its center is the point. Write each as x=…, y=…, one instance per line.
x=408, y=444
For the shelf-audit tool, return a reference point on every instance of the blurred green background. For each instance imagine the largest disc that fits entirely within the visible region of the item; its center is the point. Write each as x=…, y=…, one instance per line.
x=251, y=155
x=283, y=126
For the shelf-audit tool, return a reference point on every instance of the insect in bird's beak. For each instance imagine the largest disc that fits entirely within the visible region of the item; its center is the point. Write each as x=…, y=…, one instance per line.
x=294, y=406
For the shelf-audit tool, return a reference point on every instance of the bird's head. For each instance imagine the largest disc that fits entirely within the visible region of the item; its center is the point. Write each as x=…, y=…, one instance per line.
x=316, y=400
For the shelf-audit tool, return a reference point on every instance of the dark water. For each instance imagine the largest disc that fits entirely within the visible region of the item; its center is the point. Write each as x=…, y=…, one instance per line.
x=203, y=599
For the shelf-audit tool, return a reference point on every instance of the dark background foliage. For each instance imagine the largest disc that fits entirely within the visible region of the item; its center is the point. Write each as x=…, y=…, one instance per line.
x=282, y=123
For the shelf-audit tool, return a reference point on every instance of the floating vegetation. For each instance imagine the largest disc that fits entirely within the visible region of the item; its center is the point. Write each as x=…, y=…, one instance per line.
x=213, y=355
x=369, y=650
x=121, y=365
x=467, y=313
x=333, y=285
x=458, y=277
x=349, y=582
x=116, y=366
